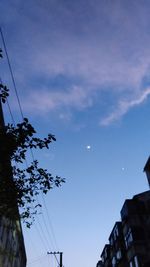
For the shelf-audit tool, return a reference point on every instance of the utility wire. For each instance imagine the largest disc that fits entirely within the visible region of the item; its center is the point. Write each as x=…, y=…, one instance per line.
x=56, y=259
x=11, y=72
x=46, y=228
x=11, y=115
x=39, y=259
x=21, y=111
x=41, y=235
x=50, y=223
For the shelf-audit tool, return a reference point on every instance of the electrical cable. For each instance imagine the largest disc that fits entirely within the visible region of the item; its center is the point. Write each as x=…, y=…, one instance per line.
x=21, y=111
x=50, y=223
x=13, y=121
x=11, y=72
x=36, y=260
x=46, y=228
x=12, y=118
x=56, y=259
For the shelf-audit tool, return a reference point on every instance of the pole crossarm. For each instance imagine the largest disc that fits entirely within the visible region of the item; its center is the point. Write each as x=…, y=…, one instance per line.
x=54, y=253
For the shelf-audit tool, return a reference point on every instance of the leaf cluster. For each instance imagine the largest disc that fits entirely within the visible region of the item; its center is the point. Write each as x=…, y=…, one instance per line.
x=32, y=180
x=20, y=139
x=20, y=183
x=4, y=92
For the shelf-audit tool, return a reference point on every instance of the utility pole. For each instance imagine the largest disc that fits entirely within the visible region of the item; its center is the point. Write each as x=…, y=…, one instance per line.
x=60, y=259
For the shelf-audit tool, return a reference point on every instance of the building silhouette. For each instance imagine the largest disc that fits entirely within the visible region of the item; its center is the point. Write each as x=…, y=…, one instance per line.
x=129, y=240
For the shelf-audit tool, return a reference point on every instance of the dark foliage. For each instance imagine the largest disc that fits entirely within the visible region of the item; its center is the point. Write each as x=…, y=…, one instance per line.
x=4, y=92
x=32, y=180
x=19, y=185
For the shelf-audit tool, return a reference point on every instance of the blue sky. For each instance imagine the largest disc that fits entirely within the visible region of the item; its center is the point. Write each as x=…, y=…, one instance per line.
x=82, y=70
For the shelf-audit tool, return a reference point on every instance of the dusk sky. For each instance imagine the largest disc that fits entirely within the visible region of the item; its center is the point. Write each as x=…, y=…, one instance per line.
x=82, y=71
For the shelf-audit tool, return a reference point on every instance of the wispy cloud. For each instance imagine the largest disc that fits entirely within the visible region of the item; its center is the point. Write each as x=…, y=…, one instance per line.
x=123, y=107
x=76, y=98
x=99, y=46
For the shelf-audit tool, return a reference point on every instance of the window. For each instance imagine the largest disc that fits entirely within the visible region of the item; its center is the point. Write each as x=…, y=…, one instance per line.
x=134, y=262
x=105, y=253
x=102, y=258
x=128, y=238
x=118, y=254
x=113, y=262
x=111, y=241
x=116, y=232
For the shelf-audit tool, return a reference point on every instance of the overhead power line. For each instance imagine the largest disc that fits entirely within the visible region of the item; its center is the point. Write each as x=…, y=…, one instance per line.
x=11, y=72
x=41, y=232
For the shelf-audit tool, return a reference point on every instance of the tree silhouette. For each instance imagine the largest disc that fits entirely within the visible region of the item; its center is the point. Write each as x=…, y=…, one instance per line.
x=19, y=185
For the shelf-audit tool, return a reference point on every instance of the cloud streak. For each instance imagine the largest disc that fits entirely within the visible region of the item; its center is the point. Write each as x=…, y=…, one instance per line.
x=124, y=107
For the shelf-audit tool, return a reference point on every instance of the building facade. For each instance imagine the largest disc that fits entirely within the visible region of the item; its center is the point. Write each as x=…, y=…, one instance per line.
x=12, y=250
x=129, y=241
